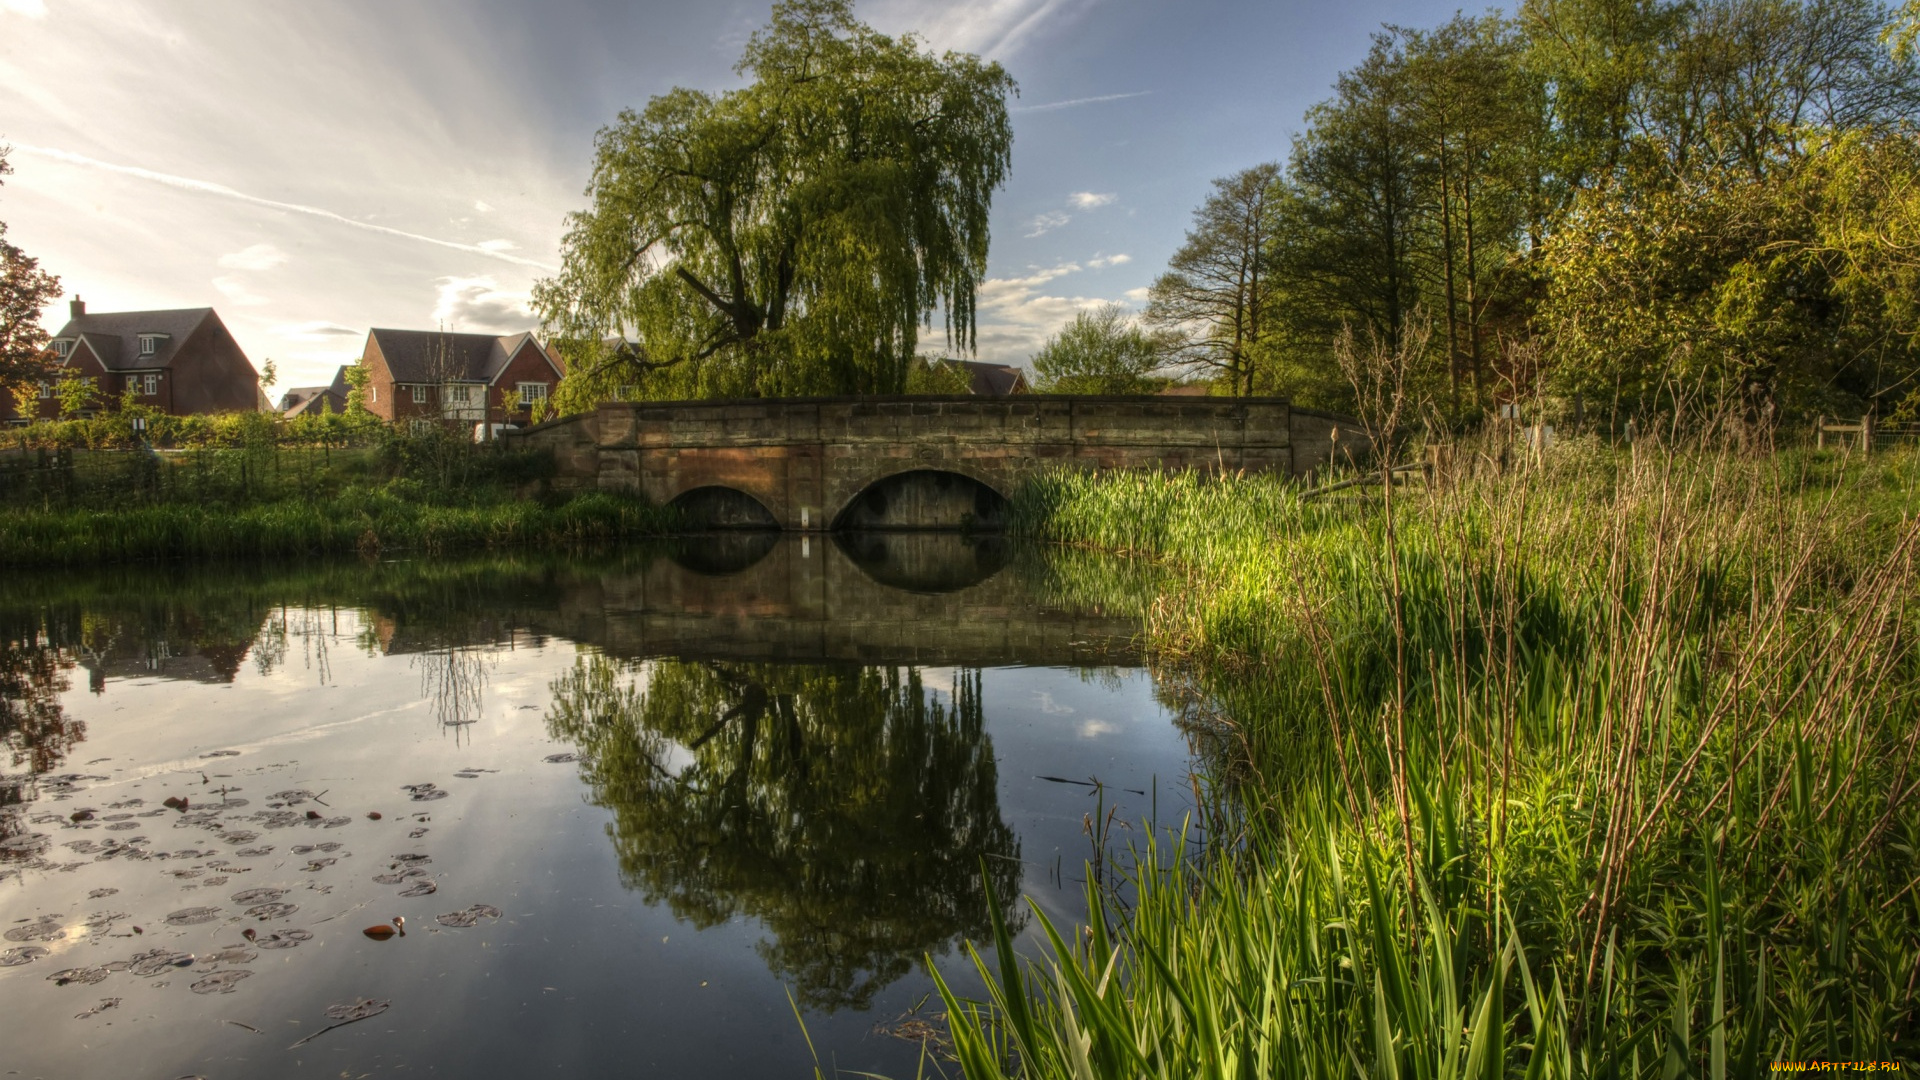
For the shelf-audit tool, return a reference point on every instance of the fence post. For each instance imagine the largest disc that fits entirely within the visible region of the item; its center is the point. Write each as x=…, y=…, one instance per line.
x=1820, y=432
x=1866, y=434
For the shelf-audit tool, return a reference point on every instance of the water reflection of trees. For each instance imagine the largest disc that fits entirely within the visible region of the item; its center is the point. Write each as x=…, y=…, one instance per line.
x=35, y=732
x=847, y=809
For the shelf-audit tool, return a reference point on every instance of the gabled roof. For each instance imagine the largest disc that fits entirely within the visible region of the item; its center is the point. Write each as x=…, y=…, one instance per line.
x=114, y=336
x=993, y=380
x=430, y=356
x=300, y=400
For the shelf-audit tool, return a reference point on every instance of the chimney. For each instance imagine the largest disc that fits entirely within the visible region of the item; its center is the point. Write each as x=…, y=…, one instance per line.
x=76, y=307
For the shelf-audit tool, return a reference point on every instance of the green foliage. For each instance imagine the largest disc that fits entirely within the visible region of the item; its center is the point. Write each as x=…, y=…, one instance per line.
x=932, y=376
x=24, y=290
x=1215, y=302
x=1100, y=352
x=1592, y=771
x=793, y=235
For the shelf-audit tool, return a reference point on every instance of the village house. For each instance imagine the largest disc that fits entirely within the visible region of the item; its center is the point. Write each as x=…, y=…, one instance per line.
x=429, y=375
x=180, y=362
x=302, y=400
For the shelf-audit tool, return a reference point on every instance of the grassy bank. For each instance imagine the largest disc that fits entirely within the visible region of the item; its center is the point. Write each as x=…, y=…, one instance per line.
x=1605, y=769
x=428, y=492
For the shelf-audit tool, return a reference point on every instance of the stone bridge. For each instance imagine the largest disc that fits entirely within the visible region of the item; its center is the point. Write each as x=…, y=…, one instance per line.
x=813, y=464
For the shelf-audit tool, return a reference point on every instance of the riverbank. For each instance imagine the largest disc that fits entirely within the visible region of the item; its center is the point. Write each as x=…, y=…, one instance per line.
x=1601, y=769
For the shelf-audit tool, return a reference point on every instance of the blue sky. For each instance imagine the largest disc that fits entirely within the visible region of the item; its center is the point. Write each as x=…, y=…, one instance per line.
x=314, y=169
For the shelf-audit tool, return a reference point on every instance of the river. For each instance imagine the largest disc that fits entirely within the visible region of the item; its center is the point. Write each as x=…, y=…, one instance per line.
x=636, y=810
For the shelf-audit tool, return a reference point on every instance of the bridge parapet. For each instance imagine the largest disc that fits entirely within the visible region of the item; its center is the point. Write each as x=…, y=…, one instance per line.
x=810, y=463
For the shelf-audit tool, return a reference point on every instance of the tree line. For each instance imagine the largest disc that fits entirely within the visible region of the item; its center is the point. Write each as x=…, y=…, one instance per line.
x=1606, y=206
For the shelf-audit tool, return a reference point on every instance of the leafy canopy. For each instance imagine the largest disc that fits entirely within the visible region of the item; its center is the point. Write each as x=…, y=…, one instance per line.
x=1100, y=352
x=24, y=290
x=789, y=237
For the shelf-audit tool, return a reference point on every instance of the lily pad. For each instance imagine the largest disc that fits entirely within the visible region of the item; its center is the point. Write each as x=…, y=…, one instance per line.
x=285, y=939
x=156, y=961
x=221, y=982
x=47, y=928
x=253, y=852
x=468, y=917
x=424, y=792
x=420, y=888
x=358, y=1010
x=560, y=759
x=258, y=896
x=81, y=975
x=193, y=916
x=25, y=954
x=232, y=954
x=263, y=912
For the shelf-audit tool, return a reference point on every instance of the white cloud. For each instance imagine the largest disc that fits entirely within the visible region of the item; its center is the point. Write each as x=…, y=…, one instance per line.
x=1088, y=200
x=1047, y=222
x=210, y=188
x=1018, y=314
x=1138, y=296
x=996, y=29
x=1072, y=103
x=496, y=245
x=236, y=290
x=482, y=207
x=254, y=257
x=32, y=9
x=1093, y=729
x=1109, y=260
x=478, y=305
x=319, y=330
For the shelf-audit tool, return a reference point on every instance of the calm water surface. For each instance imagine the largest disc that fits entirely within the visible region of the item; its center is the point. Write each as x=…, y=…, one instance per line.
x=693, y=784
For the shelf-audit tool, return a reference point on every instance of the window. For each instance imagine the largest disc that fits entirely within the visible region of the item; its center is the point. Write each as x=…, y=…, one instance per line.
x=150, y=343
x=149, y=384
x=46, y=390
x=533, y=393
x=627, y=392
x=373, y=392
x=460, y=395
x=62, y=348
x=419, y=395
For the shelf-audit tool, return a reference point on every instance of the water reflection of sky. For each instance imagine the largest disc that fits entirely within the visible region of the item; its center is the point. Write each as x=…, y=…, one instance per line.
x=759, y=888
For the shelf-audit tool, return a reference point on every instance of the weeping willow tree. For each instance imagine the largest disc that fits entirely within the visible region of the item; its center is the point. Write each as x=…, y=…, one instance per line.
x=789, y=237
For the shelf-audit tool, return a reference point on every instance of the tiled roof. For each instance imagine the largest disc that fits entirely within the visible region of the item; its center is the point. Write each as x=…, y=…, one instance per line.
x=430, y=356
x=114, y=336
x=993, y=380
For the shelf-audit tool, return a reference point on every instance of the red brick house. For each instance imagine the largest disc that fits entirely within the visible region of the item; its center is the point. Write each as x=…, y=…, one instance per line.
x=181, y=361
x=315, y=400
x=436, y=375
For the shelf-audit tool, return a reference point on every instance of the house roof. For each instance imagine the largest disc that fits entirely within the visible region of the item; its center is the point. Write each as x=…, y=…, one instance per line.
x=113, y=336
x=429, y=356
x=993, y=380
x=300, y=400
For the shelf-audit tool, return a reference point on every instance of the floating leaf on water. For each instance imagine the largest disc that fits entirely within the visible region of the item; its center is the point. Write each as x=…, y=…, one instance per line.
x=331, y=845
x=193, y=916
x=285, y=939
x=25, y=954
x=221, y=753
x=232, y=954
x=264, y=912
x=241, y=837
x=123, y=826
x=358, y=1010
x=156, y=961
x=467, y=775
x=397, y=877
x=416, y=834
x=101, y=894
x=258, y=896
x=316, y=865
x=221, y=982
x=336, y=822
x=253, y=852
x=25, y=844
x=420, y=888
x=413, y=859
x=292, y=796
x=81, y=975
x=468, y=917
x=561, y=759
x=373, y=815
x=380, y=933
x=105, y=1004
x=301, y=849
x=46, y=928
x=277, y=819
x=80, y=815
x=424, y=792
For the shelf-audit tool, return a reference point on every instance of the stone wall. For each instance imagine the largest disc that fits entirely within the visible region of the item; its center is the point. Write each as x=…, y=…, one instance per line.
x=807, y=460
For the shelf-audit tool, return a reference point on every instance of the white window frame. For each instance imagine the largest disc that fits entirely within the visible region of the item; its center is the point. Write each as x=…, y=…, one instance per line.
x=373, y=392
x=150, y=344
x=46, y=391
x=460, y=394
x=532, y=393
x=150, y=384
x=62, y=347
x=419, y=394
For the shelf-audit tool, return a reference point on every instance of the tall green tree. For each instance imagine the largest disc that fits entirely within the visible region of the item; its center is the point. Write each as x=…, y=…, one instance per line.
x=24, y=290
x=1215, y=300
x=1102, y=351
x=794, y=235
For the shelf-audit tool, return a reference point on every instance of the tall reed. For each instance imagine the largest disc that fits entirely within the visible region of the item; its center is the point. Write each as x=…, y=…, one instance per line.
x=1657, y=716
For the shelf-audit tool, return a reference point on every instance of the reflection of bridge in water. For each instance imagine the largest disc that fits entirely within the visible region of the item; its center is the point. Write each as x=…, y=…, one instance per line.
x=901, y=598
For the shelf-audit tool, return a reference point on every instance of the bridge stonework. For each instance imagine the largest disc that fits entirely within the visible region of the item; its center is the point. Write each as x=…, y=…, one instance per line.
x=809, y=461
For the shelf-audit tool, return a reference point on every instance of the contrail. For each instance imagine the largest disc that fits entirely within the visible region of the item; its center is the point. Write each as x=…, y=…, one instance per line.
x=1052, y=105
x=224, y=191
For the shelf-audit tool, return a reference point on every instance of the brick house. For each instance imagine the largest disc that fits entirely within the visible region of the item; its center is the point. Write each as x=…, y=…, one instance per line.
x=301, y=400
x=436, y=375
x=181, y=361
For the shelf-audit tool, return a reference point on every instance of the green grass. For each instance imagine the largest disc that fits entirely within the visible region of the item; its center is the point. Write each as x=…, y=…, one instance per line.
x=1603, y=769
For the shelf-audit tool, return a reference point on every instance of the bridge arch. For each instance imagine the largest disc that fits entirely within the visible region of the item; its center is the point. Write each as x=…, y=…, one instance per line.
x=925, y=496
x=716, y=506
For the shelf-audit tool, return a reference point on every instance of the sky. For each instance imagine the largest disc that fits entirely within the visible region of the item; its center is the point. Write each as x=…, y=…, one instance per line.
x=311, y=170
